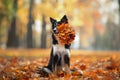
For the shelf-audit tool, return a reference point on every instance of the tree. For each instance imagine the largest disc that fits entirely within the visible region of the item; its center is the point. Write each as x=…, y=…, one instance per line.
x=110, y=39
x=12, y=37
x=29, y=27
x=43, y=35
x=119, y=5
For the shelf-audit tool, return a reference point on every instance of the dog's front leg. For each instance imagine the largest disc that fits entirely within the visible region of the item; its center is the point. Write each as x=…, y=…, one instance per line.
x=67, y=64
x=54, y=65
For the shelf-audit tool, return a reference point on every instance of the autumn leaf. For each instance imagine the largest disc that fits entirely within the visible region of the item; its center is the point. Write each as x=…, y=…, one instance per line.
x=66, y=34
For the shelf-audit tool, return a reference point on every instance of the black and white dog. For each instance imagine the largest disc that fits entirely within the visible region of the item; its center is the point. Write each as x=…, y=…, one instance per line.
x=60, y=54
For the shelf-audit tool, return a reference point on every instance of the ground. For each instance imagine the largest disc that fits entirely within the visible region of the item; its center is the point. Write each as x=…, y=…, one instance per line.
x=24, y=64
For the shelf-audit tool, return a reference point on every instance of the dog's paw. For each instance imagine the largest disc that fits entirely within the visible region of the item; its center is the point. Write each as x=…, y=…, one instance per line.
x=44, y=72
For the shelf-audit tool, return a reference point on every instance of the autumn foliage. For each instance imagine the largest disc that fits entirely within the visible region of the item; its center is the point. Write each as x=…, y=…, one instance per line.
x=66, y=34
x=94, y=66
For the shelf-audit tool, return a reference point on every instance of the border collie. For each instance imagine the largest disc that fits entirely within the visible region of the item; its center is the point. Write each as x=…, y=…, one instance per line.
x=60, y=54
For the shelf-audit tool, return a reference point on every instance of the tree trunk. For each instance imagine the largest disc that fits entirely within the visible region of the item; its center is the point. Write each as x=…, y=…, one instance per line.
x=119, y=5
x=0, y=35
x=12, y=37
x=43, y=35
x=29, y=27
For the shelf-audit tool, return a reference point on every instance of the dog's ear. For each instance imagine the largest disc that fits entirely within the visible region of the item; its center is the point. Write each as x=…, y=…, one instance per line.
x=64, y=19
x=52, y=20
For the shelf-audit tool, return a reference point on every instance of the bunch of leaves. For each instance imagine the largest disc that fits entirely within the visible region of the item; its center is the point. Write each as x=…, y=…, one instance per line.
x=66, y=34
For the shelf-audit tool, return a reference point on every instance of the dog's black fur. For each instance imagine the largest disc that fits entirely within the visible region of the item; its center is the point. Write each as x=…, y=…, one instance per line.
x=59, y=58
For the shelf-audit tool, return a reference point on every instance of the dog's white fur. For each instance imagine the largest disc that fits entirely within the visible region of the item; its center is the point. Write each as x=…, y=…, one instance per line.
x=61, y=51
x=60, y=48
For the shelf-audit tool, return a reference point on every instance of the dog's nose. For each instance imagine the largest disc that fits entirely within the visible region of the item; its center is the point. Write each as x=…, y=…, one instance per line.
x=55, y=31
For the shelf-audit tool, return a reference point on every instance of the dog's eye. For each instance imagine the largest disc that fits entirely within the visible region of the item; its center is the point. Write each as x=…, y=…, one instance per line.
x=55, y=24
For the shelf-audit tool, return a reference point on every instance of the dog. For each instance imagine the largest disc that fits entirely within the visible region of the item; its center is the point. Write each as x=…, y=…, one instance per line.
x=60, y=54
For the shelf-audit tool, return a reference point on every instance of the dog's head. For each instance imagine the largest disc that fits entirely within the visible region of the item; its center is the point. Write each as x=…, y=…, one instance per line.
x=56, y=23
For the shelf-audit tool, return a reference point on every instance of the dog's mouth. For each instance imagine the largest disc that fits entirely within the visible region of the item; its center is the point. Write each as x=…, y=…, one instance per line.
x=65, y=34
x=54, y=32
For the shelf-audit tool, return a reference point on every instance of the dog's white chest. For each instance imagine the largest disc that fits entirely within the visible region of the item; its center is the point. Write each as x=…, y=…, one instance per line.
x=60, y=49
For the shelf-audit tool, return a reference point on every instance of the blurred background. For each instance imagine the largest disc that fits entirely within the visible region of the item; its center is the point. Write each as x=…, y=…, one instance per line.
x=26, y=24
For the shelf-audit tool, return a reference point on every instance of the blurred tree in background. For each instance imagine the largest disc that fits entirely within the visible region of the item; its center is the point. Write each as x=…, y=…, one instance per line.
x=25, y=23
x=12, y=40
x=29, y=26
x=6, y=15
x=110, y=39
